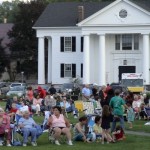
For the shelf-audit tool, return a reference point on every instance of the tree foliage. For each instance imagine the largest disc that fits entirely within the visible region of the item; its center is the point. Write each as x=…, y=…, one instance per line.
x=24, y=43
x=4, y=61
x=7, y=10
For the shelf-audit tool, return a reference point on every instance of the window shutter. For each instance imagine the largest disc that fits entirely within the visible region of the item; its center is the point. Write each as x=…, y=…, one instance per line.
x=73, y=70
x=82, y=42
x=81, y=70
x=62, y=70
x=73, y=44
x=62, y=44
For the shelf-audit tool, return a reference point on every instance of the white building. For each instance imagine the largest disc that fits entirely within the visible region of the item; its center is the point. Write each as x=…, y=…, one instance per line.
x=96, y=40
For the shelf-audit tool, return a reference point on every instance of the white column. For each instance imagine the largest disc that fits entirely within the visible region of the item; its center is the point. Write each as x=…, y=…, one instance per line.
x=41, y=61
x=102, y=61
x=86, y=60
x=49, y=76
x=146, y=58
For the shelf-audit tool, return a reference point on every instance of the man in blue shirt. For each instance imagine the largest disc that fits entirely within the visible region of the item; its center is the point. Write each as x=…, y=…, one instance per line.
x=86, y=93
x=68, y=107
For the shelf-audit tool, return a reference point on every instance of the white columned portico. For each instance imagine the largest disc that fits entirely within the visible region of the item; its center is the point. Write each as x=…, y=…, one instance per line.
x=146, y=49
x=86, y=60
x=41, y=61
x=102, y=61
x=49, y=76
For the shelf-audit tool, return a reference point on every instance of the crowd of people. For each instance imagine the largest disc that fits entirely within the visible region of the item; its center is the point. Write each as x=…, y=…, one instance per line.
x=116, y=107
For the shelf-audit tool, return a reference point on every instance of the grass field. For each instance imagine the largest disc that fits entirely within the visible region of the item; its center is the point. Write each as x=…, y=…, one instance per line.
x=131, y=143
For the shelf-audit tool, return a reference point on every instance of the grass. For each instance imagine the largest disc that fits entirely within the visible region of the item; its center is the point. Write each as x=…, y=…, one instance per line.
x=132, y=142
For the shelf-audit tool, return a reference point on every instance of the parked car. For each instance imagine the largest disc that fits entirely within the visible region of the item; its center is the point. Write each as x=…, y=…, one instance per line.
x=17, y=84
x=3, y=84
x=67, y=87
x=118, y=86
x=17, y=90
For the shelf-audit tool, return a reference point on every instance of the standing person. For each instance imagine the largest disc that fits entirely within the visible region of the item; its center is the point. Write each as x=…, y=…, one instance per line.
x=116, y=104
x=103, y=96
x=86, y=93
x=95, y=91
x=130, y=115
x=52, y=90
x=106, y=119
x=29, y=94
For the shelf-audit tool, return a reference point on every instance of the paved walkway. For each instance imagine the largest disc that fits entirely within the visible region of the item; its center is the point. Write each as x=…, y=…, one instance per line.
x=137, y=133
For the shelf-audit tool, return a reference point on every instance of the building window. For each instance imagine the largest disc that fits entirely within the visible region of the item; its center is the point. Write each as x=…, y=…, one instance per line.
x=123, y=13
x=127, y=42
x=68, y=70
x=68, y=44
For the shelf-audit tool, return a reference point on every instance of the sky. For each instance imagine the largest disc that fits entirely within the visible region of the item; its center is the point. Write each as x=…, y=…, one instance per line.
x=9, y=0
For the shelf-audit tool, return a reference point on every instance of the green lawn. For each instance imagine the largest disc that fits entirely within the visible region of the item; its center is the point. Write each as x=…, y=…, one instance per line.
x=131, y=143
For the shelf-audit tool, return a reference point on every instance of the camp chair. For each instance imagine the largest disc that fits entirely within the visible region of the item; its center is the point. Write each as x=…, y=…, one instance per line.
x=88, y=108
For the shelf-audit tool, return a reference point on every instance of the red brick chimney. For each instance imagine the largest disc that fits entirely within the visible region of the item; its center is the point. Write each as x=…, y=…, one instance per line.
x=80, y=13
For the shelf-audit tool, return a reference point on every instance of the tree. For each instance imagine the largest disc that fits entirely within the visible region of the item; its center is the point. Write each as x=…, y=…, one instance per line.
x=7, y=10
x=4, y=61
x=24, y=43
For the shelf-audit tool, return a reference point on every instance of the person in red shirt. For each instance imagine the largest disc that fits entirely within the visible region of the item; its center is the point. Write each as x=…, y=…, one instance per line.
x=118, y=134
x=42, y=92
x=12, y=112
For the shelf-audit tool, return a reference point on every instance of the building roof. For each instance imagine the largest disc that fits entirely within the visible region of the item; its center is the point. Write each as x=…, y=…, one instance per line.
x=65, y=14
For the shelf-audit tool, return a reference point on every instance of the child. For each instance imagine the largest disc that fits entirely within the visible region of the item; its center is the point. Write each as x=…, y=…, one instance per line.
x=106, y=118
x=97, y=128
x=130, y=115
x=79, y=131
x=118, y=134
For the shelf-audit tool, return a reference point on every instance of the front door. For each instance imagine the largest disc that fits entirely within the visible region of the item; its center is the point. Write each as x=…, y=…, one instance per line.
x=126, y=69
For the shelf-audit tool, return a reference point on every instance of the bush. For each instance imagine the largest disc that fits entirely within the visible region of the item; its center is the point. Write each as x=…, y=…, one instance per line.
x=148, y=94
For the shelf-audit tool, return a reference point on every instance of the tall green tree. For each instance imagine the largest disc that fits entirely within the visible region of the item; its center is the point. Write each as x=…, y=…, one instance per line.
x=7, y=11
x=4, y=60
x=23, y=44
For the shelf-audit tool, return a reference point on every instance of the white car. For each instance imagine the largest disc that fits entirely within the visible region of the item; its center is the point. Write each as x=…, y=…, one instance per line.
x=17, y=84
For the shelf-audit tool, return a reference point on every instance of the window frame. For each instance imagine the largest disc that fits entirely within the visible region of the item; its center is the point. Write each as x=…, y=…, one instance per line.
x=68, y=71
x=121, y=42
x=65, y=44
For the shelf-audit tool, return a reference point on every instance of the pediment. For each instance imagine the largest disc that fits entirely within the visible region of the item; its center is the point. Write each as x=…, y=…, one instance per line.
x=121, y=12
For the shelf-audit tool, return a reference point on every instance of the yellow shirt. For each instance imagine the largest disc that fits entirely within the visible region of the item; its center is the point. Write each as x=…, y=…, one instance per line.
x=97, y=128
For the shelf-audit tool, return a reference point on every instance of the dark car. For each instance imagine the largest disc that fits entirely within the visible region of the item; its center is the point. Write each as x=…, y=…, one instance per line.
x=118, y=86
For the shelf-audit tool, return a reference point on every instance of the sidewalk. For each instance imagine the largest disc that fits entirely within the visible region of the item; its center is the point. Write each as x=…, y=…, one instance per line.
x=137, y=133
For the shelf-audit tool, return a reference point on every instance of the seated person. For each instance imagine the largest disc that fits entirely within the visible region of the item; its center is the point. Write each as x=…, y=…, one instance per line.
x=5, y=127
x=59, y=124
x=49, y=102
x=28, y=127
x=80, y=133
x=143, y=113
x=13, y=112
x=21, y=110
x=68, y=107
x=97, y=128
x=118, y=134
x=37, y=104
